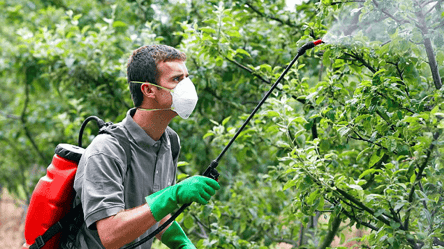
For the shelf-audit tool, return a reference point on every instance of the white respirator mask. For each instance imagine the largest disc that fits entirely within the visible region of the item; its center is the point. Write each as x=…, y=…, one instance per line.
x=184, y=97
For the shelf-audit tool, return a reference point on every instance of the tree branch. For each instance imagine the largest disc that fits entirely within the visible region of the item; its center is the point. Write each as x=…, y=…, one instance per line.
x=22, y=168
x=289, y=241
x=429, y=50
x=418, y=178
x=401, y=73
x=314, y=133
x=351, y=1
x=386, y=97
x=353, y=217
x=388, y=14
x=223, y=100
x=392, y=127
x=351, y=198
x=424, y=203
x=332, y=232
x=202, y=233
x=395, y=215
x=438, y=242
x=302, y=101
x=24, y=121
x=367, y=140
x=288, y=23
x=10, y=116
x=249, y=70
x=301, y=235
x=360, y=59
x=426, y=3
x=361, y=205
x=434, y=6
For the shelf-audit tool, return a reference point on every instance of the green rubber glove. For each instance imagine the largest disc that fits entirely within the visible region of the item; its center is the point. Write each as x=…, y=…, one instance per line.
x=194, y=189
x=174, y=237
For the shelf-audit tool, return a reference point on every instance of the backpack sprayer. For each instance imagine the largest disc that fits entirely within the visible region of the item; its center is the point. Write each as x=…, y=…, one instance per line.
x=49, y=209
x=211, y=171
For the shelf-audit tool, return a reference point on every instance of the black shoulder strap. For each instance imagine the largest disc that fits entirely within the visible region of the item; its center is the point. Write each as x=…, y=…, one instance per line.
x=57, y=227
x=174, y=140
x=119, y=133
x=121, y=136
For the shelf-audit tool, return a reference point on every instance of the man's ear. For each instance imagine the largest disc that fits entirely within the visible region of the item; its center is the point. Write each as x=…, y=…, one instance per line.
x=147, y=90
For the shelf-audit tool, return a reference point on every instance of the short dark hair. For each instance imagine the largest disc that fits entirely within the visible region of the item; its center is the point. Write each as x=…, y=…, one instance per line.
x=142, y=66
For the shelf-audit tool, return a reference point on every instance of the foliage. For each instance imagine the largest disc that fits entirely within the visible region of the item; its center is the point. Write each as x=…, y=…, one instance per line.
x=353, y=133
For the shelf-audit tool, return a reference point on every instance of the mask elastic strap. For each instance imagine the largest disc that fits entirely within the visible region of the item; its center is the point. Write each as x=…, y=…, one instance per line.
x=143, y=109
x=140, y=82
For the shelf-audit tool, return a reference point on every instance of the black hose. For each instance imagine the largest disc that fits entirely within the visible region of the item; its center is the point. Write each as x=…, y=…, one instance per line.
x=211, y=170
x=100, y=124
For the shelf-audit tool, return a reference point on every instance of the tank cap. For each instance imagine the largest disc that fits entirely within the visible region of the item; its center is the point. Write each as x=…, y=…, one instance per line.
x=70, y=152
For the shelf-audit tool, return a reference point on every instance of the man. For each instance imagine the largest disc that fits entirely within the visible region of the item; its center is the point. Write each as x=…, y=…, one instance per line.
x=121, y=203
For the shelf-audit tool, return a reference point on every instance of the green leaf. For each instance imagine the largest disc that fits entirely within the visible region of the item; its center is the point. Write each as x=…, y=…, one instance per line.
x=344, y=131
x=441, y=124
x=298, y=120
x=208, y=134
x=312, y=196
x=182, y=163
x=182, y=176
x=188, y=222
x=117, y=24
x=403, y=149
x=320, y=99
x=379, y=212
x=107, y=20
x=214, y=122
x=354, y=186
x=289, y=184
x=369, y=171
x=361, y=117
x=252, y=212
x=394, y=225
x=241, y=51
x=217, y=212
x=362, y=153
x=399, y=205
x=413, y=178
x=77, y=17
x=391, y=144
x=321, y=204
x=233, y=33
x=283, y=144
x=271, y=113
x=227, y=19
x=207, y=30
x=376, y=156
x=225, y=121
x=266, y=67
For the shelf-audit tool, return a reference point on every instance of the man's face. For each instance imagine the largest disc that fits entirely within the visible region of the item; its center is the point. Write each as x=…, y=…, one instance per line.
x=170, y=74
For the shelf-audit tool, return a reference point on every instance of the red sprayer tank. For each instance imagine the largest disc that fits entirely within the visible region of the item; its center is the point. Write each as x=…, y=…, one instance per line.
x=53, y=195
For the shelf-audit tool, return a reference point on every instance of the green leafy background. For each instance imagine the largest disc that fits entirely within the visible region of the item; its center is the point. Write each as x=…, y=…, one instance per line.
x=353, y=133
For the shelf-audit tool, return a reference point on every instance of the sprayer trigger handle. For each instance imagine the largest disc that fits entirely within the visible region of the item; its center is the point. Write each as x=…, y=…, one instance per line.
x=213, y=174
x=211, y=171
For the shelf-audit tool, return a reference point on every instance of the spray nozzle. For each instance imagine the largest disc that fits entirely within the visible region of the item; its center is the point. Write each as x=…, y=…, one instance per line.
x=309, y=45
x=317, y=42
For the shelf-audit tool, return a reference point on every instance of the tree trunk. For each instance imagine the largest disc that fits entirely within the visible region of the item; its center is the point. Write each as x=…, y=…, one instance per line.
x=429, y=49
x=331, y=234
